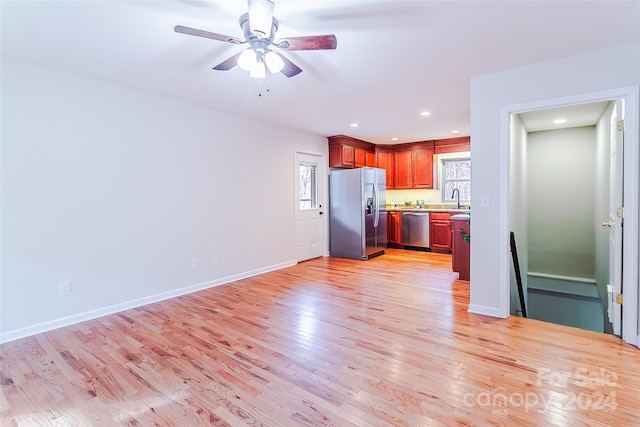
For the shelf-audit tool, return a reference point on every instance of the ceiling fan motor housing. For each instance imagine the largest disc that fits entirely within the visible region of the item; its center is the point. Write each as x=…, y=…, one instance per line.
x=255, y=41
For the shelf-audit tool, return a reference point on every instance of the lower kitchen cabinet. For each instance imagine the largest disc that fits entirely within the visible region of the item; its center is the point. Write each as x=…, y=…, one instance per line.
x=394, y=229
x=440, y=231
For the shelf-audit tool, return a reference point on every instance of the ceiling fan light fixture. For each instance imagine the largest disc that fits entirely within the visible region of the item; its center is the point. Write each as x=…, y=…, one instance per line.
x=247, y=59
x=258, y=71
x=274, y=62
x=261, y=17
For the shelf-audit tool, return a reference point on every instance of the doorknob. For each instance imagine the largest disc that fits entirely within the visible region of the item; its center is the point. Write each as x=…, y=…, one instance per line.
x=320, y=212
x=608, y=224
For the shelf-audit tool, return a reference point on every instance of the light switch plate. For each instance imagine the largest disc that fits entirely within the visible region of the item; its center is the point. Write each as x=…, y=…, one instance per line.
x=484, y=201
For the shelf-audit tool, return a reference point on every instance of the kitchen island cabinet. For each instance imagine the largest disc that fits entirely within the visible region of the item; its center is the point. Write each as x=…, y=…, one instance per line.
x=460, y=254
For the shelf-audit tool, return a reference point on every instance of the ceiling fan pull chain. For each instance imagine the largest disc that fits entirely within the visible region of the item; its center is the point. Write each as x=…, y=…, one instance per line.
x=267, y=85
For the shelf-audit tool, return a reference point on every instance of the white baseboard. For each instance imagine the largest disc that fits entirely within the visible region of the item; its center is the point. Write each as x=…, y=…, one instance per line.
x=104, y=311
x=485, y=310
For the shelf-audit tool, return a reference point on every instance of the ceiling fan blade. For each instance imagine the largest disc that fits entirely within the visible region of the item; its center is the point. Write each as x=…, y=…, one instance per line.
x=290, y=69
x=206, y=34
x=324, y=42
x=228, y=64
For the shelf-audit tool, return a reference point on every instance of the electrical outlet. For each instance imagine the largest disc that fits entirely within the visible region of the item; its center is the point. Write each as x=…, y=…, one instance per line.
x=194, y=263
x=64, y=289
x=214, y=259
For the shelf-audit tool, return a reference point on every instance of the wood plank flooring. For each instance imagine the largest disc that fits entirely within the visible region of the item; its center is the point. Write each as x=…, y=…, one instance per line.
x=385, y=342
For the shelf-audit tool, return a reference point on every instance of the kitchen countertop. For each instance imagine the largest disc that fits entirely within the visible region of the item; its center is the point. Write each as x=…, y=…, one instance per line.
x=427, y=209
x=463, y=216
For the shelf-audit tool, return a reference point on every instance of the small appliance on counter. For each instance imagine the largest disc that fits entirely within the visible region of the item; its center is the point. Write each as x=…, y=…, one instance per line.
x=357, y=212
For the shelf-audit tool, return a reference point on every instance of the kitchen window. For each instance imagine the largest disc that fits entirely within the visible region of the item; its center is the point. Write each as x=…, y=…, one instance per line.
x=456, y=173
x=308, y=185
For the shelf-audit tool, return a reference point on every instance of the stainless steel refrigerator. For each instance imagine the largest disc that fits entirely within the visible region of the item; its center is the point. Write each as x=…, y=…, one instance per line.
x=357, y=212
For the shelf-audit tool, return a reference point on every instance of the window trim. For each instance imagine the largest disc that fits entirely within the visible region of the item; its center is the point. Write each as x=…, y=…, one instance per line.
x=443, y=180
x=313, y=187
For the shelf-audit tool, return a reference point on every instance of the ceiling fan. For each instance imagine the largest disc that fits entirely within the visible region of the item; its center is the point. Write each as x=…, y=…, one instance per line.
x=259, y=28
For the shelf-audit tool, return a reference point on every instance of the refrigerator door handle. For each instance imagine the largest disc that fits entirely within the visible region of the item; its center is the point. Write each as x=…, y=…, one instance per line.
x=376, y=217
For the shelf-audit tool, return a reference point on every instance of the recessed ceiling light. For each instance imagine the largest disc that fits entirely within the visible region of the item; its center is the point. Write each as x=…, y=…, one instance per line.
x=394, y=139
x=354, y=125
x=455, y=131
x=425, y=113
x=560, y=121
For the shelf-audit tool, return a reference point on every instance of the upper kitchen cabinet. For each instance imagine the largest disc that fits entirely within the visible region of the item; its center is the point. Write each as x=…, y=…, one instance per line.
x=384, y=160
x=402, y=169
x=422, y=167
x=408, y=165
x=347, y=152
x=414, y=165
x=370, y=158
x=452, y=145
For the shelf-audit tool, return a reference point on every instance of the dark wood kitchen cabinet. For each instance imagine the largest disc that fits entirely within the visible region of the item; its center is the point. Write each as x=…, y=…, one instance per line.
x=370, y=158
x=460, y=251
x=440, y=231
x=402, y=170
x=347, y=152
x=408, y=165
x=394, y=229
x=384, y=160
x=422, y=168
x=359, y=157
x=364, y=158
x=341, y=155
x=414, y=166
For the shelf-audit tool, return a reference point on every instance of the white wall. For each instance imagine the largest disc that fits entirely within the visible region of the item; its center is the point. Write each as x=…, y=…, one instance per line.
x=491, y=96
x=518, y=204
x=117, y=190
x=561, y=195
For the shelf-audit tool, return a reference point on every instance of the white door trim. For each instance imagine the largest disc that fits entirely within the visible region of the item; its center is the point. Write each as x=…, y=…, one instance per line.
x=631, y=95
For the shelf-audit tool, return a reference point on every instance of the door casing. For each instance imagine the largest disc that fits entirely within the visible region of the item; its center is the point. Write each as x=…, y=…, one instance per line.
x=630, y=328
x=322, y=179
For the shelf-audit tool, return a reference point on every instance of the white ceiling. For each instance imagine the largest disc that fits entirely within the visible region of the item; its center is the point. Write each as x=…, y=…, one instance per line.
x=394, y=58
x=577, y=115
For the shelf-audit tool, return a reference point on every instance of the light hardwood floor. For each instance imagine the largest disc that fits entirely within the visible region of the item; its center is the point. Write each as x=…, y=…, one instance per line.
x=330, y=341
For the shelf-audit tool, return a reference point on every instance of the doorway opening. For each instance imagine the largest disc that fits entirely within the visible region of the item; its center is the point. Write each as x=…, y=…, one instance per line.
x=563, y=181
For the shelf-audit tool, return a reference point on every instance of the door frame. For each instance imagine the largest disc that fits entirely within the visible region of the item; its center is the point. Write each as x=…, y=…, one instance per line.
x=630, y=94
x=323, y=197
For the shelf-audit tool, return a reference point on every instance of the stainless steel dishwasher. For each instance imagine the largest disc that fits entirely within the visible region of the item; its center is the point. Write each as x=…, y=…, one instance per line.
x=415, y=229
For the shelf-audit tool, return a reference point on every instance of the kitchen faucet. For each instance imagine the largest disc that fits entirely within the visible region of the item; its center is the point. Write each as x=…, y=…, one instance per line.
x=453, y=194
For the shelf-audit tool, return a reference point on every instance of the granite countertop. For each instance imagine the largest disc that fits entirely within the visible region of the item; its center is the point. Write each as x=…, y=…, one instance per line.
x=463, y=216
x=427, y=209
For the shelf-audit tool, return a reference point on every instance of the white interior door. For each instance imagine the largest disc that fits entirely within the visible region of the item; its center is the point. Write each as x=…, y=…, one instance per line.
x=615, y=219
x=310, y=182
